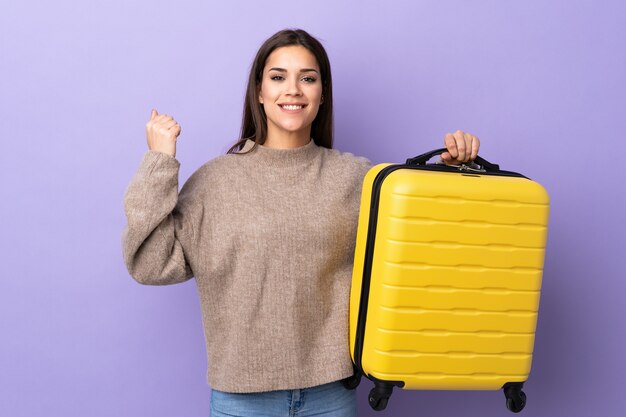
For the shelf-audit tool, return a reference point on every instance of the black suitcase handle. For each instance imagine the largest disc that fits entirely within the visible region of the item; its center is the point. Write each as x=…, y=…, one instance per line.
x=423, y=158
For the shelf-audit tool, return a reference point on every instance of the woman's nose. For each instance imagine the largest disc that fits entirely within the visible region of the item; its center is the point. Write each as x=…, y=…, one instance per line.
x=293, y=88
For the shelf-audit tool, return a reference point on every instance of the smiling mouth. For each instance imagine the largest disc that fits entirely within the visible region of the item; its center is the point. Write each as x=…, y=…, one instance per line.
x=292, y=106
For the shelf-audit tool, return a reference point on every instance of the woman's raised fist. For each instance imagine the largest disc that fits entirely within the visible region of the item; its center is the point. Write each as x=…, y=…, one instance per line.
x=162, y=131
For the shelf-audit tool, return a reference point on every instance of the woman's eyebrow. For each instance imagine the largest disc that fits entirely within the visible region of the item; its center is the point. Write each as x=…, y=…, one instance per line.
x=302, y=70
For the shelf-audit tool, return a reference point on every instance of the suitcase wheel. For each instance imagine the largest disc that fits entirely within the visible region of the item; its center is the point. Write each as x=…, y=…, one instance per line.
x=516, y=403
x=515, y=397
x=352, y=382
x=378, y=403
x=379, y=396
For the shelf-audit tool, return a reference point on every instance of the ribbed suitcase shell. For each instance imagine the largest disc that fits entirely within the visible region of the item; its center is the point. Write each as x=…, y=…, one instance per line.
x=455, y=279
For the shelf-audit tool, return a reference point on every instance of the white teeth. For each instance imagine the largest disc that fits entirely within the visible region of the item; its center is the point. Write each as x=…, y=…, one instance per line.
x=290, y=107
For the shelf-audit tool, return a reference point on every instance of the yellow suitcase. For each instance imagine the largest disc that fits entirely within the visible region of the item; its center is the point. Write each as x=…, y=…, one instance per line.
x=446, y=281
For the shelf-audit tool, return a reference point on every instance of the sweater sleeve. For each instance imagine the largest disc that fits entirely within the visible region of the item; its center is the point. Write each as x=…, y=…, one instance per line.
x=157, y=239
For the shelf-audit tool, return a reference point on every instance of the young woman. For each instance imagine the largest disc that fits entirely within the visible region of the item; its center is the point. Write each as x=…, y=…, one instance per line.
x=268, y=231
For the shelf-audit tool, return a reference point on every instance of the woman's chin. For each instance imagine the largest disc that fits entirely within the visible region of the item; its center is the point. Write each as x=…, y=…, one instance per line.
x=293, y=130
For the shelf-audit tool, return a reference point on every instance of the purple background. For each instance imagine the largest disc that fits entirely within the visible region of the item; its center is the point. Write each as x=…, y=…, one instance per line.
x=542, y=83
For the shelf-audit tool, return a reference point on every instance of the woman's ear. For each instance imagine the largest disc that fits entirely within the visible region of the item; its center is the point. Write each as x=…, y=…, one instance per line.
x=258, y=91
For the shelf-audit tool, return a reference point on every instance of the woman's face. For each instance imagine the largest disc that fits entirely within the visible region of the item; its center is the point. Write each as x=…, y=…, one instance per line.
x=291, y=90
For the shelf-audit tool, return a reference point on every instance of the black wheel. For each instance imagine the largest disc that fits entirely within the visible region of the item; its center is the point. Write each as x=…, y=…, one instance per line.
x=516, y=401
x=378, y=403
x=379, y=395
x=352, y=382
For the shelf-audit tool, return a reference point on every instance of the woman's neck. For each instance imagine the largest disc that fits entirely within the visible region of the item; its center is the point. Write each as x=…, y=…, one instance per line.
x=287, y=140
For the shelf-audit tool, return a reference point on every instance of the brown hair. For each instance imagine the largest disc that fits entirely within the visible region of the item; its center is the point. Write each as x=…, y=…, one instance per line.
x=254, y=123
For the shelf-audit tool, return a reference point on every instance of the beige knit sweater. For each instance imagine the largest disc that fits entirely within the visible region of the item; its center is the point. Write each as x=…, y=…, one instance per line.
x=269, y=237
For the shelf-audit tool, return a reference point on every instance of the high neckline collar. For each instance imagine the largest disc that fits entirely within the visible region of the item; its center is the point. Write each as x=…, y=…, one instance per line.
x=282, y=157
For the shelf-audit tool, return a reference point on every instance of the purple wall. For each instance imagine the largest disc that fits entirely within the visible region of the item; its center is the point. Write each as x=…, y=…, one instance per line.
x=542, y=83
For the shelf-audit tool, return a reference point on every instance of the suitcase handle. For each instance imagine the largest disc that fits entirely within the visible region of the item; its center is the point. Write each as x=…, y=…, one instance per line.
x=423, y=158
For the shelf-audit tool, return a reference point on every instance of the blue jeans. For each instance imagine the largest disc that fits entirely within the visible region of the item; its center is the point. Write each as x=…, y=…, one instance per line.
x=327, y=400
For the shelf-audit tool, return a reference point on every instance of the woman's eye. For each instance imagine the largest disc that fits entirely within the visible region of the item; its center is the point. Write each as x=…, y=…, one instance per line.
x=305, y=79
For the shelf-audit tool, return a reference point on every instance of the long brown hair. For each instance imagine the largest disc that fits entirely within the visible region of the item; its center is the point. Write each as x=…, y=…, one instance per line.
x=254, y=123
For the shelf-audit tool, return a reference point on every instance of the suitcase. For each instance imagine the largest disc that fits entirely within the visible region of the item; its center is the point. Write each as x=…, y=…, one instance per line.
x=447, y=274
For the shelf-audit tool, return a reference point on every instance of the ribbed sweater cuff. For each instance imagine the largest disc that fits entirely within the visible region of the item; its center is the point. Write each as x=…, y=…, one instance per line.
x=152, y=158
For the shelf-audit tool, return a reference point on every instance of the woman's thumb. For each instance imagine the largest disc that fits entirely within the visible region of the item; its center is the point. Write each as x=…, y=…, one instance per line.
x=153, y=114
